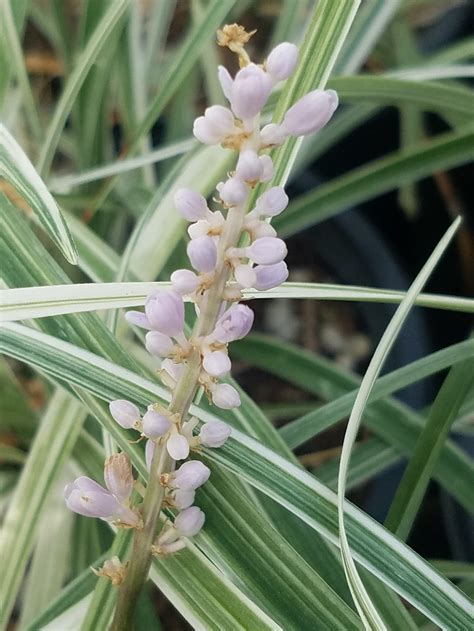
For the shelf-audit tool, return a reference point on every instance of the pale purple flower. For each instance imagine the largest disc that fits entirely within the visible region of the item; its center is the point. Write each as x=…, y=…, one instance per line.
x=250, y=91
x=221, y=119
x=244, y=274
x=177, y=446
x=184, y=281
x=118, y=476
x=190, y=476
x=258, y=228
x=225, y=396
x=249, y=166
x=310, y=113
x=155, y=424
x=204, y=131
x=226, y=81
x=282, y=61
x=268, y=170
x=233, y=192
x=190, y=204
x=234, y=324
x=214, y=434
x=268, y=276
x=125, y=413
x=165, y=311
x=158, y=344
x=202, y=253
x=216, y=363
x=189, y=522
x=173, y=369
x=273, y=135
x=267, y=250
x=183, y=499
x=138, y=318
x=272, y=202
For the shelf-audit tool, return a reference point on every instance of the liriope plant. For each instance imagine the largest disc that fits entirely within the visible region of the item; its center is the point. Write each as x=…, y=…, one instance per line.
x=230, y=249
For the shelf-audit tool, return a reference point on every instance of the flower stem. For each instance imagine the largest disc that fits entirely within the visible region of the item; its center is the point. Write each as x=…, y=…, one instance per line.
x=183, y=395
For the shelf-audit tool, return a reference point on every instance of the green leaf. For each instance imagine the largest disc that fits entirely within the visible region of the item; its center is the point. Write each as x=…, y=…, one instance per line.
x=289, y=485
x=382, y=175
x=17, y=169
x=416, y=477
x=367, y=611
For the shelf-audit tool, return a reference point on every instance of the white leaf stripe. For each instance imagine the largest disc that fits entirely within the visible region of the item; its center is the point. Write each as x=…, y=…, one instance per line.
x=17, y=169
x=39, y=302
x=373, y=546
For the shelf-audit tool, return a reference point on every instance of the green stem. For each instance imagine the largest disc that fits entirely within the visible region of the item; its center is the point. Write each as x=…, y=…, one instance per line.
x=183, y=395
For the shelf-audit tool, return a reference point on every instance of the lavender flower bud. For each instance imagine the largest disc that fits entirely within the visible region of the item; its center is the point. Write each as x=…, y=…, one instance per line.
x=245, y=275
x=250, y=91
x=85, y=497
x=204, y=131
x=149, y=451
x=138, y=318
x=273, y=135
x=221, y=119
x=282, y=61
x=233, y=192
x=234, y=324
x=191, y=205
x=268, y=170
x=159, y=344
x=125, y=413
x=184, y=281
x=155, y=424
x=225, y=396
x=249, y=166
x=267, y=250
x=183, y=499
x=177, y=446
x=189, y=522
x=272, y=202
x=118, y=476
x=216, y=363
x=226, y=81
x=214, y=434
x=310, y=113
x=165, y=311
x=202, y=253
x=190, y=476
x=269, y=276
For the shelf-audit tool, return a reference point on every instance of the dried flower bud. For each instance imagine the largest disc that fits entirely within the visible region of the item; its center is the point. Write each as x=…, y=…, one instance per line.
x=250, y=91
x=216, y=363
x=184, y=281
x=310, y=113
x=165, y=311
x=272, y=202
x=268, y=276
x=249, y=167
x=267, y=250
x=225, y=396
x=177, y=446
x=189, y=522
x=191, y=205
x=233, y=192
x=273, y=135
x=155, y=424
x=214, y=434
x=190, y=476
x=158, y=344
x=202, y=253
x=245, y=275
x=125, y=413
x=226, y=81
x=234, y=324
x=183, y=499
x=118, y=476
x=137, y=318
x=282, y=61
x=112, y=569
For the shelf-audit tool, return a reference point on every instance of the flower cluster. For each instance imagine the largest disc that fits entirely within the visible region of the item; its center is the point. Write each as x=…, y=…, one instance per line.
x=230, y=248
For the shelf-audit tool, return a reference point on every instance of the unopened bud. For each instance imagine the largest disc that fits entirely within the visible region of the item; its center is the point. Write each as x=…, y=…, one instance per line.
x=214, y=434
x=158, y=343
x=184, y=281
x=216, y=363
x=202, y=253
x=226, y=81
x=234, y=324
x=190, y=204
x=249, y=167
x=250, y=91
x=268, y=276
x=233, y=192
x=311, y=113
x=272, y=202
x=125, y=413
x=282, y=61
x=273, y=135
x=190, y=476
x=165, y=311
x=267, y=250
x=183, y=499
x=245, y=275
x=137, y=318
x=189, y=522
x=177, y=446
x=225, y=396
x=155, y=424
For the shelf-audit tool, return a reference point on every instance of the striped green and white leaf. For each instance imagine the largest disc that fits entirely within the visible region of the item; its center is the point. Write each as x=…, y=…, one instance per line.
x=17, y=169
x=39, y=302
x=272, y=474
